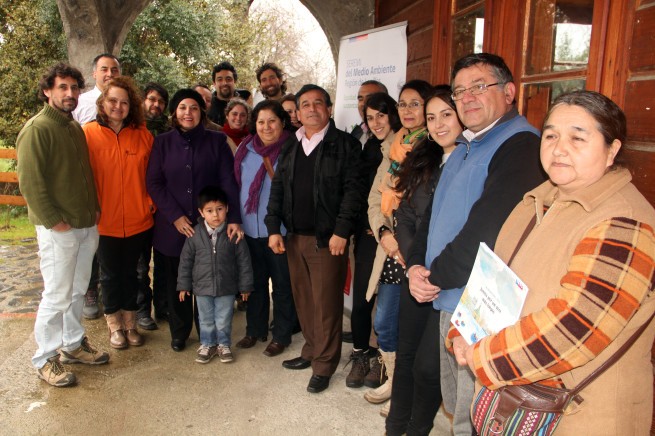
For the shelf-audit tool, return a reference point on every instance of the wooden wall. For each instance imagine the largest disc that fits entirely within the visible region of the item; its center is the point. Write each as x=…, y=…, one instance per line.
x=621, y=61
x=419, y=17
x=622, y=65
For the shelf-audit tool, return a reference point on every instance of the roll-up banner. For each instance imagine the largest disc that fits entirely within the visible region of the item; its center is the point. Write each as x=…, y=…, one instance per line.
x=377, y=54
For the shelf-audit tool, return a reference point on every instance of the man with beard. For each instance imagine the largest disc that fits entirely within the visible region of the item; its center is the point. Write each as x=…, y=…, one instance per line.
x=271, y=81
x=224, y=77
x=154, y=105
x=56, y=180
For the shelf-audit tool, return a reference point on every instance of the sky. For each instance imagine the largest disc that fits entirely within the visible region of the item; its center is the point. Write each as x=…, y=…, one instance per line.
x=316, y=42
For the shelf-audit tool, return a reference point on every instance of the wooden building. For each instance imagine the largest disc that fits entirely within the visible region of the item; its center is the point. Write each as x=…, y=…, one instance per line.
x=551, y=46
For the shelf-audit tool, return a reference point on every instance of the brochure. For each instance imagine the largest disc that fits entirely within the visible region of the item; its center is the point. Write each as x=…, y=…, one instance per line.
x=492, y=300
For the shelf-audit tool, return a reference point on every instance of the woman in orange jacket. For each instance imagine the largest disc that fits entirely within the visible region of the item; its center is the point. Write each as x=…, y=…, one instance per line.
x=119, y=148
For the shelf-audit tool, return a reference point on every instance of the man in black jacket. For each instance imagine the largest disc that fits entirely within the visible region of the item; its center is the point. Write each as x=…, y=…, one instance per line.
x=316, y=194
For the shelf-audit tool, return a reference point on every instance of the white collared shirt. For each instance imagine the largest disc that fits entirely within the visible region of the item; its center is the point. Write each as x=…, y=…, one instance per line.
x=470, y=136
x=309, y=144
x=86, y=109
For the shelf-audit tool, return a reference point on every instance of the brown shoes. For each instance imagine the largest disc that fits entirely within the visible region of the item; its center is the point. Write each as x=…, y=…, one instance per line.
x=117, y=338
x=132, y=334
x=250, y=341
x=274, y=348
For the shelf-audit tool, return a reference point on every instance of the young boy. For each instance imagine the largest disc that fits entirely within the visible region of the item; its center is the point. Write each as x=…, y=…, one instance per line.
x=213, y=268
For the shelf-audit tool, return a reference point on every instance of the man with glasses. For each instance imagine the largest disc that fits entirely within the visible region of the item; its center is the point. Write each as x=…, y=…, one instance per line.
x=495, y=163
x=154, y=106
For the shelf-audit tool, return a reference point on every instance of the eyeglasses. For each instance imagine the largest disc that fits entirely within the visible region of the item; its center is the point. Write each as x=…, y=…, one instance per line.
x=474, y=90
x=411, y=105
x=156, y=100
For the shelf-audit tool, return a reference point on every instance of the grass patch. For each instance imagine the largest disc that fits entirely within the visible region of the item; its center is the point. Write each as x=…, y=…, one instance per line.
x=17, y=230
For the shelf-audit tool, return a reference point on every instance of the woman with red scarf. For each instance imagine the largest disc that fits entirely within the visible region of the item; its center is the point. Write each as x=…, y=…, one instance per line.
x=237, y=114
x=254, y=166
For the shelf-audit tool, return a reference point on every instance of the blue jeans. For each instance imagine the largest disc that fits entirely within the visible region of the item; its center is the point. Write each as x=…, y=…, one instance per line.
x=215, y=314
x=386, y=317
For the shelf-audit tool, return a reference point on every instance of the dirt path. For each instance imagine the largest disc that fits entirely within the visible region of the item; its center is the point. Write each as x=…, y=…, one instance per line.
x=20, y=279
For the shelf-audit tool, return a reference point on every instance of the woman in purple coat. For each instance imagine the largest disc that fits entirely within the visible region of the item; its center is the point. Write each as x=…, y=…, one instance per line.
x=183, y=161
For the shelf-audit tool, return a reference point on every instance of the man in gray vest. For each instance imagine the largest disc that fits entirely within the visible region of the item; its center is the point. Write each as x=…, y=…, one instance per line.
x=495, y=163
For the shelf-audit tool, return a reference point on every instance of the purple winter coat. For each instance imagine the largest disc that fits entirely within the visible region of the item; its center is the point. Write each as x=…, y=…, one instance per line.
x=181, y=164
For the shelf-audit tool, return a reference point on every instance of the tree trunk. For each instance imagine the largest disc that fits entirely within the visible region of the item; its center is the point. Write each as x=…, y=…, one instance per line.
x=96, y=26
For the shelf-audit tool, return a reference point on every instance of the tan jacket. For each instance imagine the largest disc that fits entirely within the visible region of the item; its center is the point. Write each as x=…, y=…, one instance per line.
x=619, y=402
x=376, y=219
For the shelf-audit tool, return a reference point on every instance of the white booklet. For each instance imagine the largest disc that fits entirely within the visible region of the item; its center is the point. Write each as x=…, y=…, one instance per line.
x=492, y=300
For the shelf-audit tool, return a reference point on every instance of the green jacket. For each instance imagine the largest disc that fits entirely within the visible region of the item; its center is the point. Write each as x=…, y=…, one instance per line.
x=54, y=172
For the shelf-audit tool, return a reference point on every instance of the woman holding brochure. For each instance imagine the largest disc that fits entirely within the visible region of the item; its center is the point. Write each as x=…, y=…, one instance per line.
x=417, y=181
x=588, y=260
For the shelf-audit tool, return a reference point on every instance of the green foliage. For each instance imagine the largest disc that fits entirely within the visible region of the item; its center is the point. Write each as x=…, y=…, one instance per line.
x=177, y=42
x=171, y=43
x=31, y=39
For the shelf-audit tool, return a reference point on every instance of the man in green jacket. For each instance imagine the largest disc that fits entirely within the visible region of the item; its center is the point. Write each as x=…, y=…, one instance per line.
x=56, y=180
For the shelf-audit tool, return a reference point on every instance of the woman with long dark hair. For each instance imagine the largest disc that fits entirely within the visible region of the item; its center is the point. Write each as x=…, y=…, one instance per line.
x=413, y=407
x=388, y=268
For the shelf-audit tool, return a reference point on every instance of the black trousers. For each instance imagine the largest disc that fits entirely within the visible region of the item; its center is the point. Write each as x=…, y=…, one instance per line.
x=181, y=314
x=416, y=389
x=147, y=296
x=118, y=259
x=268, y=265
x=360, y=318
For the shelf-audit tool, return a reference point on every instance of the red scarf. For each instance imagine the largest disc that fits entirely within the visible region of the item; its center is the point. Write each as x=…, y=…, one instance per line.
x=235, y=135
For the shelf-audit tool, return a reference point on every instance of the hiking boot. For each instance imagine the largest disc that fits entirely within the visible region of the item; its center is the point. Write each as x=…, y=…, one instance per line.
x=205, y=353
x=54, y=373
x=91, y=309
x=225, y=354
x=376, y=376
x=85, y=353
x=383, y=393
x=147, y=323
x=360, y=367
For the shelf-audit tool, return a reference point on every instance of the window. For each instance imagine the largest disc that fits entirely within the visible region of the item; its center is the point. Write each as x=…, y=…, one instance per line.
x=558, y=40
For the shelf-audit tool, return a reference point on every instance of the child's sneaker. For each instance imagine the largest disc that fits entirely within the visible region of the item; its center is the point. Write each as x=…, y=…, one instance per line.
x=225, y=354
x=205, y=353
